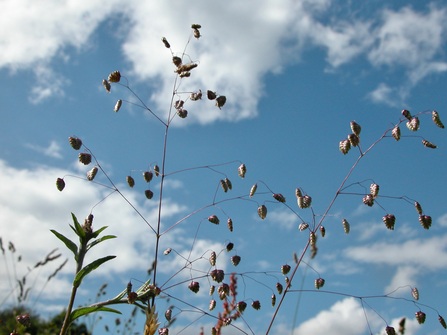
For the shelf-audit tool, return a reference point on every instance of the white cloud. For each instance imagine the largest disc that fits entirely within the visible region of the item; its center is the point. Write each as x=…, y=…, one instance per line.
x=284, y=218
x=53, y=149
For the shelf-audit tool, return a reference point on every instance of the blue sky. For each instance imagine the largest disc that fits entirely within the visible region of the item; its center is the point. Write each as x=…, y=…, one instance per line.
x=295, y=74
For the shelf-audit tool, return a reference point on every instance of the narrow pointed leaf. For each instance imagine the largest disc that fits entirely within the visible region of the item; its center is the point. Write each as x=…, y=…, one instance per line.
x=96, y=233
x=89, y=268
x=69, y=243
x=87, y=310
x=95, y=242
x=79, y=231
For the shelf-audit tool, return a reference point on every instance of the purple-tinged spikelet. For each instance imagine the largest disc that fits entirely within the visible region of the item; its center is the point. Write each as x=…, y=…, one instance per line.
x=235, y=260
x=390, y=330
x=262, y=211
x=156, y=170
x=313, y=238
x=212, y=304
x=24, y=319
x=230, y=224
x=212, y=289
x=425, y=221
x=213, y=258
x=147, y=175
x=374, y=189
x=355, y=127
x=165, y=42
x=413, y=124
x=429, y=144
x=60, y=184
x=92, y=173
x=368, y=200
x=389, y=221
x=407, y=114
x=217, y=275
x=353, y=140
x=195, y=96
x=273, y=300
x=442, y=322
x=224, y=185
x=242, y=170
x=418, y=207
x=213, y=219
x=85, y=158
x=303, y=226
x=279, y=288
x=319, y=283
x=420, y=317
x=415, y=293
x=253, y=190
x=194, y=286
x=437, y=120
x=344, y=146
x=241, y=305
x=346, y=226
x=396, y=133
x=149, y=194
x=229, y=184
x=75, y=142
x=256, y=305
x=285, y=269
x=279, y=197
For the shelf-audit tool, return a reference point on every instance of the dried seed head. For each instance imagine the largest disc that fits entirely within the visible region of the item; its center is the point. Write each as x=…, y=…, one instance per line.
x=442, y=321
x=374, y=189
x=24, y=319
x=178, y=104
x=156, y=170
x=304, y=202
x=429, y=144
x=345, y=146
x=406, y=113
x=196, y=33
x=211, y=95
x=195, y=96
x=213, y=219
x=230, y=224
x=298, y=193
x=413, y=124
x=273, y=300
x=425, y=221
x=229, y=184
x=303, y=226
x=106, y=85
x=390, y=330
x=167, y=251
x=212, y=289
x=186, y=67
x=279, y=288
x=149, y=194
x=92, y=173
x=262, y=212
x=415, y=293
x=319, y=283
x=285, y=269
x=436, y=119
x=256, y=305
x=213, y=258
x=353, y=139
x=163, y=331
x=287, y=281
x=147, y=175
x=322, y=231
x=114, y=77
x=313, y=238
x=132, y=297
x=182, y=113
x=85, y=158
x=418, y=207
x=130, y=181
x=165, y=42
x=253, y=190
x=75, y=142
x=396, y=133
x=224, y=185
x=313, y=251
x=279, y=197
x=118, y=105
x=223, y=290
x=420, y=317
x=194, y=286
x=230, y=246
x=368, y=200
x=389, y=221
x=241, y=305
x=235, y=260
x=346, y=226
x=217, y=276
x=242, y=170
x=212, y=304
x=196, y=26
x=220, y=101
x=177, y=61
x=60, y=184
x=185, y=74
x=355, y=127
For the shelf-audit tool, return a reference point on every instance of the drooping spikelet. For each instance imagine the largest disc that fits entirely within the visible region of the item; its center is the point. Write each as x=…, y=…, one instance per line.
x=177, y=61
x=220, y=101
x=235, y=260
x=353, y=139
x=345, y=146
x=279, y=197
x=229, y=184
x=147, y=175
x=304, y=202
x=319, y=283
x=85, y=158
x=60, y=184
x=415, y=293
x=425, y=221
x=418, y=207
x=242, y=170
x=374, y=189
x=429, y=144
x=279, y=288
x=224, y=185
x=92, y=173
x=322, y=231
x=230, y=224
x=194, y=286
x=313, y=238
x=420, y=317
x=413, y=124
x=212, y=304
x=253, y=190
x=156, y=170
x=211, y=95
x=213, y=219
x=346, y=226
x=241, y=305
x=389, y=221
x=256, y=305
x=390, y=330
x=195, y=96
x=368, y=200
x=298, y=193
x=217, y=275
x=230, y=246
x=407, y=114
x=442, y=321
x=437, y=120
x=114, y=77
x=165, y=42
x=212, y=289
x=106, y=84
x=149, y=194
x=118, y=105
x=396, y=133
x=130, y=181
x=303, y=226
x=262, y=211
x=75, y=142
x=355, y=127
x=273, y=300
x=285, y=269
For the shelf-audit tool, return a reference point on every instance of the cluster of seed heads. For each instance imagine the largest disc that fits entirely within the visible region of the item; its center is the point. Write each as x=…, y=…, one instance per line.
x=226, y=185
x=353, y=139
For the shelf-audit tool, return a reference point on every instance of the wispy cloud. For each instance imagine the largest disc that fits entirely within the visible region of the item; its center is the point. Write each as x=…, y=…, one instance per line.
x=53, y=150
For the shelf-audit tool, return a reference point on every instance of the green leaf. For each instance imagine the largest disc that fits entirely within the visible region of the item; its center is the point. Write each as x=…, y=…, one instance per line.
x=79, y=231
x=70, y=244
x=78, y=312
x=89, y=268
x=95, y=242
x=96, y=233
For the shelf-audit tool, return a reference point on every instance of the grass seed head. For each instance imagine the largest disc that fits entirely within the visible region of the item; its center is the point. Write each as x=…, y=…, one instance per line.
x=262, y=211
x=211, y=95
x=425, y=221
x=235, y=260
x=346, y=226
x=396, y=133
x=313, y=238
x=368, y=200
x=353, y=140
x=165, y=42
x=212, y=289
x=407, y=114
x=114, y=77
x=285, y=269
x=75, y=142
x=241, y=306
x=194, y=286
x=298, y=193
x=230, y=246
x=196, y=26
x=147, y=175
x=213, y=258
x=273, y=300
x=118, y=105
x=177, y=61
x=319, y=283
x=149, y=194
x=242, y=170
x=220, y=101
x=92, y=173
x=212, y=304
x=253, y=190
x=345, y=146
x=279, y=197
x=413, y=124
x=196, y=33
x=218, y=276
x=420, y=317
x=224, y=185
x=213, y=219
x=60, y=184
x=303, y=226
x=442, y=322
x=374, y=189
x=229, y=184
x=156, y=170
x=429, y=144
x=390, y=330
x=106, y=84
x=322, y=231
x=230, y=224
x=389, y=221
x=418, y=207
x=85, y=158
x=130, y=181
x=163, y=331
x=195, y=96
x=356, y=128
x=182, y=113
x=279, y=288
x=256, y=305
x=415, y=293
x=437, y=120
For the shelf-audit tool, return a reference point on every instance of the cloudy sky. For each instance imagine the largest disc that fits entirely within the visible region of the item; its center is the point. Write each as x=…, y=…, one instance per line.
x=295, y=74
